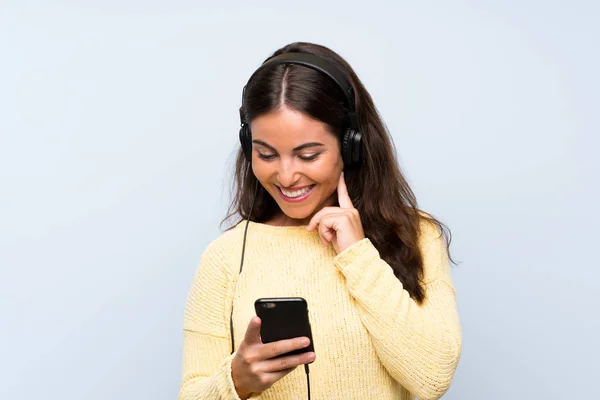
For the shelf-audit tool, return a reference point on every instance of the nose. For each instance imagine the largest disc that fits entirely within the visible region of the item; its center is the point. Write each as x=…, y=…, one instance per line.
x=287, y=173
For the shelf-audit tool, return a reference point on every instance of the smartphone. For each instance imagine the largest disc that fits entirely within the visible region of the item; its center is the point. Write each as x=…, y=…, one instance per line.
x=284, y=318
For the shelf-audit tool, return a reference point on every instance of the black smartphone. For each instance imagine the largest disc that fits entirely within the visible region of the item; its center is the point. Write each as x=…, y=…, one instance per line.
x=284, y=318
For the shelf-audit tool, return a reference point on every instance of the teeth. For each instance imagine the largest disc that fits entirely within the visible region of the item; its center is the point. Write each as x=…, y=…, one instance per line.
x=296, y=193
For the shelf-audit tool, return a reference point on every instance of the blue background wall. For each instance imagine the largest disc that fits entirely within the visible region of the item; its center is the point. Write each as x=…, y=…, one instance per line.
x=119, y=119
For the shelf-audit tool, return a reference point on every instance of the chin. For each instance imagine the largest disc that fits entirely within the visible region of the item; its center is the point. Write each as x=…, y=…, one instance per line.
x=296, y=213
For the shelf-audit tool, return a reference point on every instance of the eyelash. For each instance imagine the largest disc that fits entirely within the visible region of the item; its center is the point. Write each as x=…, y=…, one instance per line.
x=269, y=157
x=310, y=158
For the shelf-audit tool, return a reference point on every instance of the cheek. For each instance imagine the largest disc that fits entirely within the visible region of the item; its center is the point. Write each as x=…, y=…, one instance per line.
x=327, y=173
x=261, y=171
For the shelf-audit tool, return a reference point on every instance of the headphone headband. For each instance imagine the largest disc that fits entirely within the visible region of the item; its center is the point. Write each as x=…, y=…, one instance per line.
x=318, y=64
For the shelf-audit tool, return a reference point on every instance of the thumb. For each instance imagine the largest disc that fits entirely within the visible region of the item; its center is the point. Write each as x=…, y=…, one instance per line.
x=252, y=335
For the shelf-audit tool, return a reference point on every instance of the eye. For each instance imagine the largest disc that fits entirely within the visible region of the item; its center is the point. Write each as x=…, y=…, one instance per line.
x=310, y=158
x=266, y=157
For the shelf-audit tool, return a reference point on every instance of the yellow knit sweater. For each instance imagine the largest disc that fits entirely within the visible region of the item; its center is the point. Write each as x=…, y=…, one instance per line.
x=371, y=339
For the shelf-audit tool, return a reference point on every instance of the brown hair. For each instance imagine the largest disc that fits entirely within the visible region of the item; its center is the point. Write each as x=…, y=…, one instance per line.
x=382, y=196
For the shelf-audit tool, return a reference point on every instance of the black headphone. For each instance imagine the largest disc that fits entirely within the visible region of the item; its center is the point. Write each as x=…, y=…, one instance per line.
x=351, y=139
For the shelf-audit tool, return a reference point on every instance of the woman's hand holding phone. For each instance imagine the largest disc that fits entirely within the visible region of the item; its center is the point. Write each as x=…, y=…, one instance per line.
x=253, y=368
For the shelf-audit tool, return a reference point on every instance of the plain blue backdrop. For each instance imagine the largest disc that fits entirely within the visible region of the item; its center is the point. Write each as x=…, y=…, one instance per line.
x=119, y=119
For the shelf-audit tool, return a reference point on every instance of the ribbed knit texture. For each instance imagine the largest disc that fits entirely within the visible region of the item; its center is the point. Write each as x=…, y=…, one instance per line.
x=371, y=339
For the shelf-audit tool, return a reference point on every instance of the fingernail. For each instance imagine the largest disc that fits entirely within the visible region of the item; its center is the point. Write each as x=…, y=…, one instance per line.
x=311, y=357
x=305, y=342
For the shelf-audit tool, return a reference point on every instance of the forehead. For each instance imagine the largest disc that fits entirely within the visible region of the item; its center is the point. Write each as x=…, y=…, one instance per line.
x=289, y=128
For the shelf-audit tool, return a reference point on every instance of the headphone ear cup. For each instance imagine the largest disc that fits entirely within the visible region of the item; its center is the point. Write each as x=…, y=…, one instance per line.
x=246, y=141
x=356, y=148
x=346, y=152
x=352, y=148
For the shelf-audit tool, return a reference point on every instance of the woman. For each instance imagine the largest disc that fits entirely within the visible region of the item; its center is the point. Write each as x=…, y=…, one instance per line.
x=329, y=218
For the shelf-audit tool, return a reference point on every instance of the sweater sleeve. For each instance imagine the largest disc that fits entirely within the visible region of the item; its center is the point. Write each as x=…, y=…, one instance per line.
x=206, y=371
x=419, y=345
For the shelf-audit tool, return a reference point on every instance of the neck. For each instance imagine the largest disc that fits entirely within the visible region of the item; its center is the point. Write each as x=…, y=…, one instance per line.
x=283, y=220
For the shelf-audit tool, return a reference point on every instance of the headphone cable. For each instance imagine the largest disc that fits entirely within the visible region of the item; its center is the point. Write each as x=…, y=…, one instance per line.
x=242, y=264
x=307, y=380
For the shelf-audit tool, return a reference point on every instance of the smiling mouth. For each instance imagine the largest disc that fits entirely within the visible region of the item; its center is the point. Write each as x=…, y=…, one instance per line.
x=295, y=195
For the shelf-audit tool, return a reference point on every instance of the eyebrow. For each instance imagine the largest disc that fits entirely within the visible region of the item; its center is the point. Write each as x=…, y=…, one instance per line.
x=298, y=148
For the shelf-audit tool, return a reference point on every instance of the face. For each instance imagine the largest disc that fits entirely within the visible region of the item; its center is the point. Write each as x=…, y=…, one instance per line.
x=298, y=161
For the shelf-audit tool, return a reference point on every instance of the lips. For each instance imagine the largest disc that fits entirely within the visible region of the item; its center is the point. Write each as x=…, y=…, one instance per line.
x=295, y=194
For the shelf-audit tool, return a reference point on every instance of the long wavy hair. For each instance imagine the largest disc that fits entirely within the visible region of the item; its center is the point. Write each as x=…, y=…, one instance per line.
x=378, y=190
